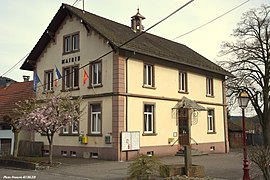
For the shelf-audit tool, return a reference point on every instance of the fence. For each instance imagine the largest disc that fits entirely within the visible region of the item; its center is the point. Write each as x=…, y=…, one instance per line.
x=254, y=139
x=30, y=148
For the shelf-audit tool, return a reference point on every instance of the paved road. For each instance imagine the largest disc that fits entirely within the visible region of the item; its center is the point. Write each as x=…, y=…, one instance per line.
x=221, y=166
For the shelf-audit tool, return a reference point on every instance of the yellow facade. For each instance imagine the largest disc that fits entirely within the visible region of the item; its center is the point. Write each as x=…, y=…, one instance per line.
x=130, y=97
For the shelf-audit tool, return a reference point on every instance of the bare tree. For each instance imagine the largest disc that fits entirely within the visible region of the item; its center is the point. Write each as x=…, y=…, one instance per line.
x=51, y=116
x=250, y=63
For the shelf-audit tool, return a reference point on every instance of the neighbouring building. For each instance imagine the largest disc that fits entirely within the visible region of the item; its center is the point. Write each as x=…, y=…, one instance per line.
x=253, y=131
x=10, y=94
x=138, y=97
x=4, y=81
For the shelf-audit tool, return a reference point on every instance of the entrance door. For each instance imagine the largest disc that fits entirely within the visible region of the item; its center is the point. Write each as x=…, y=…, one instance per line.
x=183, y=127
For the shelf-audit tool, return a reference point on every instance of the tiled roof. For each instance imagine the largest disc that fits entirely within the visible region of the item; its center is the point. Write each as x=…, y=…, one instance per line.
x=13, y=93
x=117, y=34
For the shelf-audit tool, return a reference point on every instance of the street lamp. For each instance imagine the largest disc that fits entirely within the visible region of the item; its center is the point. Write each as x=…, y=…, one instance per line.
x=243, y=100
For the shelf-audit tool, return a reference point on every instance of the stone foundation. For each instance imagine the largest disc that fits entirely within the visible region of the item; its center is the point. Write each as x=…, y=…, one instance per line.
x=110, y=153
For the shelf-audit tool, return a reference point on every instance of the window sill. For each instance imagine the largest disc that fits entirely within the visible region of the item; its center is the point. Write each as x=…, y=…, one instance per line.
x=210, y=96
x=71, y=89
x=211, y=133
x=183, y=92
x=69, y=134
x=70, y=52
x=97, y=135
x=95, y=86
x=149, y=87
x=149, y=134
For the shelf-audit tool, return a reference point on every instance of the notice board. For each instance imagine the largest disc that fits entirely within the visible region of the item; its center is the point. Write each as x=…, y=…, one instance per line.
x=130, y=140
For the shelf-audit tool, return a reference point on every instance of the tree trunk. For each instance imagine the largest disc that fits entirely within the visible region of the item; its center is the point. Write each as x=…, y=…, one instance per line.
x=16, y=143
x=51, y=150
x=266, y=132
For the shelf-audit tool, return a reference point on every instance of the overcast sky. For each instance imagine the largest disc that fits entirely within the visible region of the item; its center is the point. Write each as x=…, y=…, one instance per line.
x=24, y=21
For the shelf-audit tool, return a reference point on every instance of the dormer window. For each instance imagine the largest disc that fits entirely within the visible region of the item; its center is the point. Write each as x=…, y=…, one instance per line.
x=71, y=43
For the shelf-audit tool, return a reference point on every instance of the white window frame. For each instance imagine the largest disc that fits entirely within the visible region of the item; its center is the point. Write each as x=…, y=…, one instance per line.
x=48, y=84
x=96, y=70
x=67, y=44
x=75, y=69
x=148, y=75
x=182, y=82
x=210, y=120
x=71, y=42
x=65, y=130
x=70, y=78
x=148, y=117
x=66, y=78
x=209, y=86
x=95, y=120
x=75, y=42
x=75, y=128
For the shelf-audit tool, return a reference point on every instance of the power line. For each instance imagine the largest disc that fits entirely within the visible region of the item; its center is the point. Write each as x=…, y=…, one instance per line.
x=14, y=65
x=140, y=34
x=128, y=41
x=211, y=20
x=75, y=3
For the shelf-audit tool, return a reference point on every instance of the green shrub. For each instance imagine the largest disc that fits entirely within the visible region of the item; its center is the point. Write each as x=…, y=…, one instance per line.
x=146, y=167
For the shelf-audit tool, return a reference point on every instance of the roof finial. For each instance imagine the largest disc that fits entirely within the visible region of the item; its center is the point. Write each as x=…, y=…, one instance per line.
x=136, y=22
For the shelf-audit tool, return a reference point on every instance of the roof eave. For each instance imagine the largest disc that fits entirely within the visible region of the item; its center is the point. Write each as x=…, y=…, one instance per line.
x=225, y=73
x=31, y=59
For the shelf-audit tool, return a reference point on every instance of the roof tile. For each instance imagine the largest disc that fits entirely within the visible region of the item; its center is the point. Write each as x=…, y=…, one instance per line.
x=13, y=93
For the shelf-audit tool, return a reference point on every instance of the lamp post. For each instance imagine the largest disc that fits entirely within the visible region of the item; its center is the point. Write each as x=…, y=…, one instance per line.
x=243, y=100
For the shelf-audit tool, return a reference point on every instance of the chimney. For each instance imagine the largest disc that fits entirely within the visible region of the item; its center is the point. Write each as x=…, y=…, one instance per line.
x=136, y=22
x=26, y=78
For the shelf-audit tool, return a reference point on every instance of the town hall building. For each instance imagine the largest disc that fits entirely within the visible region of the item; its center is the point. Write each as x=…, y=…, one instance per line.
x=148, y=95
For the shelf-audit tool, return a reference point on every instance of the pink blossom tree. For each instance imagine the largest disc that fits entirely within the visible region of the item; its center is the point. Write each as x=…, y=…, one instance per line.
x=51, y=116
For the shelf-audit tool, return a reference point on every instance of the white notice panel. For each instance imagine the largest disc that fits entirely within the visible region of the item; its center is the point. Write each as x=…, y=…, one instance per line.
x=130, y=140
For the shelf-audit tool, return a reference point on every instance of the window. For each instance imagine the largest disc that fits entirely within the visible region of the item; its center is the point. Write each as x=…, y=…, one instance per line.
x=75, y=77
x=67, y=44
x=183, y=82
x=210, y=121
x=96, y=74
x=48, y=80
x=95, y=119
x=65, y=130
x=148, y=75
x=75, y=42
x=72, y=129
x=71, y=77
x=148, y=118
x=75, y=128
x=209, y=87
x=71, y=43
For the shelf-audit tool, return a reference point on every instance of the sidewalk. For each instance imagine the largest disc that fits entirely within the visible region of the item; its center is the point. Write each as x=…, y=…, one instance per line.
x=220, y=166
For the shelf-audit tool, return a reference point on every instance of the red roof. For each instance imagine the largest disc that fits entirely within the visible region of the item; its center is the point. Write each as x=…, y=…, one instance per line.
x=13, y=93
